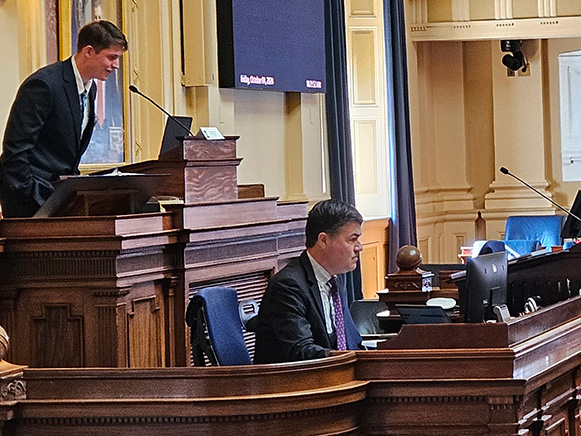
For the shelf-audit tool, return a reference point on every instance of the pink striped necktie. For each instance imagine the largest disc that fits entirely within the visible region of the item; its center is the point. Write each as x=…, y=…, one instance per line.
x=339, y=321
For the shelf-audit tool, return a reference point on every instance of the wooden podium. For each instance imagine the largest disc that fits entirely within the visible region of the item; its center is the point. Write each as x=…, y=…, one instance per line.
x=200, y=170
x=111, y=290
x=86, y=291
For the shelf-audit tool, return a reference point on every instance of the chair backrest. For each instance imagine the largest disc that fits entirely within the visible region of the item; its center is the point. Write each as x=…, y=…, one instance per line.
x=216, y=329
x=492, y=246
x=364, y=314
x=514, y=247
x=544, y=228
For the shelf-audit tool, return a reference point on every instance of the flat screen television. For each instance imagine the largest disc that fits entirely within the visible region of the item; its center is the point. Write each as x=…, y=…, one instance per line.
x=572, y=226
x=272, y=44
x=486, y=284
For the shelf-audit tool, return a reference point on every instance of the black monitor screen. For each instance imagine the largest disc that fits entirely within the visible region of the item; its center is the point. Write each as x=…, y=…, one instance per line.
x=572, y=226
x=174, y=132
x=272, y=44
x=486, y=283
x=418, y=314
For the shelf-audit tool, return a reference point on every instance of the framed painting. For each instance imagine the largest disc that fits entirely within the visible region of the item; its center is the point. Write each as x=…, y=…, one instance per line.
x=107, y=143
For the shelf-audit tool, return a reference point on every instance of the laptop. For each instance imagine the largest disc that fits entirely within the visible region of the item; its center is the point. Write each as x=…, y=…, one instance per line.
x=173, y=131
x=420, y=314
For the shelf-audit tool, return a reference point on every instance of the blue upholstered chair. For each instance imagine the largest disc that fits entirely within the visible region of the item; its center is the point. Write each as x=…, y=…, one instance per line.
x=525, y=234
x=216, y=328
x=544, y=228
x=492, y=246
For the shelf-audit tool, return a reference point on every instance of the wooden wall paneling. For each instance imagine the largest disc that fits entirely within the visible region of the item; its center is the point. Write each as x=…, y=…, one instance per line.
x=576, y=421
x=374, y=256
x=122, y=356
x=171, y=294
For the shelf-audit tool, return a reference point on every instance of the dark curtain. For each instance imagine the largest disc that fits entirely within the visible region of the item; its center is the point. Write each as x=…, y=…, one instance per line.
x=403, y=211
x=339, y=131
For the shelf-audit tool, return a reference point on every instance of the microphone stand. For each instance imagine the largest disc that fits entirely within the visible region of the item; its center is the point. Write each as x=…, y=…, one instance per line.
x=134, y=89
x=504, y=170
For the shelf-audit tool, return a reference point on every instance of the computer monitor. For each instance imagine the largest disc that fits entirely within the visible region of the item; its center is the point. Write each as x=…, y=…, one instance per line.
x=486, y=283
x=419, y=314
x=572, y=226
x=174, y=132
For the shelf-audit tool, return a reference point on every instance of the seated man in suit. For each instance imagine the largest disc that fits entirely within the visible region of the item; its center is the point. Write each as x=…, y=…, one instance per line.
x=304, y=312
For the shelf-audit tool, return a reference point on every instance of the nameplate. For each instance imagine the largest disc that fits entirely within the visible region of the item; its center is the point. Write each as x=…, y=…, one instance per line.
x=209, y=133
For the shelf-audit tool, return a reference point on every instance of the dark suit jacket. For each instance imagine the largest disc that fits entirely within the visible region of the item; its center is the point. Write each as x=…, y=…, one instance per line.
x=43, y=138
x=291, y=322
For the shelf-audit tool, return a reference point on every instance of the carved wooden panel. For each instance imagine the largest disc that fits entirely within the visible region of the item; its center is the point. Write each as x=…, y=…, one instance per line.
x=202, y=150
x=122, y=335
x=106, y=335
x=300, y=398
x=57, y=338
x=576, y=427
x=145, y=332
x=68, y=263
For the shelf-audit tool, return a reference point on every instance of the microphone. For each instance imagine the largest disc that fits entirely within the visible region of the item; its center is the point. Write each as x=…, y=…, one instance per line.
x=134, y=89
x=504, y=170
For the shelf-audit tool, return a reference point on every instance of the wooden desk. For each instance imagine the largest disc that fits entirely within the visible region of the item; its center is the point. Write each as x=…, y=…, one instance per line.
x=516, y=378
x=312, y=397
x=502, y=379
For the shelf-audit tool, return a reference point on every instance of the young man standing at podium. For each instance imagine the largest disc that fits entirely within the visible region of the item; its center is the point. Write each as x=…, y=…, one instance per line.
x=304, y=313
x=52, y=120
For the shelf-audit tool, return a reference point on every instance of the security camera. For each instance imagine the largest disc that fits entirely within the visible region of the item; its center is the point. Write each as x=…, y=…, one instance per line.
x=516, y=60
x=510, y=45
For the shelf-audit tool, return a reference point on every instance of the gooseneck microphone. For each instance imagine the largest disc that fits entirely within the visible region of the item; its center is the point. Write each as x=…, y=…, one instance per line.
x=504, y=170
x=134, y=89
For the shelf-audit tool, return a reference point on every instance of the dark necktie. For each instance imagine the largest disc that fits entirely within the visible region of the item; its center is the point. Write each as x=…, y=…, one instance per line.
x=339, y=322
x=83, y=103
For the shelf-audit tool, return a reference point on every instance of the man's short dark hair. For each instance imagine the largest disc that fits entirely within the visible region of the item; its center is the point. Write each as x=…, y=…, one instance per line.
x=101, y=34
x=329, y=216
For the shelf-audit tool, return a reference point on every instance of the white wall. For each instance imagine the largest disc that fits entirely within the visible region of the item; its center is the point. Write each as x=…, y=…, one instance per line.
x=260, y=145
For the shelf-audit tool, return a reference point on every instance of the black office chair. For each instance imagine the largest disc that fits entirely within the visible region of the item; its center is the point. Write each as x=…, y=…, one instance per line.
x=216, y=328
x=364, y=314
